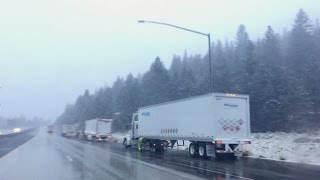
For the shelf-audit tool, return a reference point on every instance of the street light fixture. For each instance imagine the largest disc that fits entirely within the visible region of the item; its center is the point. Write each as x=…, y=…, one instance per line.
x=193, y=31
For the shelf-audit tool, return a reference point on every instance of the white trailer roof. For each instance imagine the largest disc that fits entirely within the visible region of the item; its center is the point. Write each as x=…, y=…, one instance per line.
x=195, y=97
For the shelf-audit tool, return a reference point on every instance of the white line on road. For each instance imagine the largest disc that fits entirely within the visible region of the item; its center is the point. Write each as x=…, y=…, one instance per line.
x=204, y=169
x=168, y=169
x=120, y=156
x=69, y=158
x=17, y=148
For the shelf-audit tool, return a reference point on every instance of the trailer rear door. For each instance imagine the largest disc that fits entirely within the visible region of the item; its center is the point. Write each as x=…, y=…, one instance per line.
x=232, y=117
x=103, y=127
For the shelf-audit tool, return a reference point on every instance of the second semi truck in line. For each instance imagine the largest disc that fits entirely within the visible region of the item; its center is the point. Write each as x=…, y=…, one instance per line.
x=215, y=124
x=98, y=129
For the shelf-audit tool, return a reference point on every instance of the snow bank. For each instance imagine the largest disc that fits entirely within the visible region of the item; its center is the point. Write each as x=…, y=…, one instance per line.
x=292, y=147
x=5, y=131
x=118, y=137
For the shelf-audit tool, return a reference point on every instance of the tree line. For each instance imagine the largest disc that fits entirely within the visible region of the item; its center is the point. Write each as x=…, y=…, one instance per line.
x=280, y=72
x=21, y=122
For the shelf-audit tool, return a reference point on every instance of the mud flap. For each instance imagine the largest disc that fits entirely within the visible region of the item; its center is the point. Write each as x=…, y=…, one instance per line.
x=211, y=151
x=238, y=150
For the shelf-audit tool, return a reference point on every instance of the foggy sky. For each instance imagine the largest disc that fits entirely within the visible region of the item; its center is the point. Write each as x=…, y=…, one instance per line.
x=52, y=50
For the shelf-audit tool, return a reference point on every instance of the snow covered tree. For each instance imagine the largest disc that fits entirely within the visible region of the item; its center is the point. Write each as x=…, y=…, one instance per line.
x=155, y=84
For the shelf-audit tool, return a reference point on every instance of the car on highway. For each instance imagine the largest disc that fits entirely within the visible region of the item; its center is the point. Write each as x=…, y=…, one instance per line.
x=51, y=128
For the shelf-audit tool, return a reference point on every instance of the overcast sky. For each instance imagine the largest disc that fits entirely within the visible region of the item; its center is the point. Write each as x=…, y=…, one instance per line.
x=52, y=50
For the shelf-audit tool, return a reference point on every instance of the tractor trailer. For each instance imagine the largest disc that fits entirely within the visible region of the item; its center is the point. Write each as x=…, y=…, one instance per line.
x=50, y=128
x=98, y=129
x=215, y=124
x=68, y=131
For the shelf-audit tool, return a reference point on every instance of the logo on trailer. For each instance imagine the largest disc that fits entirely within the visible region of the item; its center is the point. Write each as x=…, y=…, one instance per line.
x=231, y=125
x=169, y=131
x=231, y=105
x=146, y=114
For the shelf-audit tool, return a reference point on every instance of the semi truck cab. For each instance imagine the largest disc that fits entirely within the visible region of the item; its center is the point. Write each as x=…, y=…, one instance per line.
x=135, y=125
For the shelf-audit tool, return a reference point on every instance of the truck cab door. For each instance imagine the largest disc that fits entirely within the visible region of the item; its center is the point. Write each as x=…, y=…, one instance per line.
x=135, y=124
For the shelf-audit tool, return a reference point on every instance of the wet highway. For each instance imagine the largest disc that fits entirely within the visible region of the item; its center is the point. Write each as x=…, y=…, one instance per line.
x=49, y=156
x=9, y=142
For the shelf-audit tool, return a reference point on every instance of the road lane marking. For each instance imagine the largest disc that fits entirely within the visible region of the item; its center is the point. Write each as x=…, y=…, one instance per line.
x=194, y=167
x=140, y=162
x=204, y=169
x=69, y=158
x=120, y=156
x=170, y=170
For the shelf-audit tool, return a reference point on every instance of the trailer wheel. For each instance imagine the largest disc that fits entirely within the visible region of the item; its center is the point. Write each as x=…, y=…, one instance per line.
x=203, y=151
x=193, y=150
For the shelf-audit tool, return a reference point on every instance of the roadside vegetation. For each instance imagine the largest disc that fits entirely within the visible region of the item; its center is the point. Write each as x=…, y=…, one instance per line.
x=280, y=72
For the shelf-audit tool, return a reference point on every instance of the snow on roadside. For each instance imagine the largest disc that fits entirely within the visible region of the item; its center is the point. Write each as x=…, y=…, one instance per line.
x=118, y=137
x=292, y=147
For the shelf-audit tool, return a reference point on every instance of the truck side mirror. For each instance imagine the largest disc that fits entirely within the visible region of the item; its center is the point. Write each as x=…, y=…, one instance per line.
x=127, y=126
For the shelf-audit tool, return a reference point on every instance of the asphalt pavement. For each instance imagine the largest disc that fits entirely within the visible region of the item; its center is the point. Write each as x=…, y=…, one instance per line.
x=50, y=156
x=9, y=142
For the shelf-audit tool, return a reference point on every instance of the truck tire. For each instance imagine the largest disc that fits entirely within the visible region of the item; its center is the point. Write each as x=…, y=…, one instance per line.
x=160, y=149
x=193, y=150
x=203, y=151
x=152, y=149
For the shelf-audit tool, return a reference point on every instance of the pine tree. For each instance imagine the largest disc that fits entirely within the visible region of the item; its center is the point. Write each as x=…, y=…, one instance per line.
x=245, y=61
x=128, y=102
x=312, y=77
x=221, y=71
x=187, y=85
x=299, y=58
x=155, y=84
x=176, y=65
x=280, y=73
x=270, y=88
x=173, y=89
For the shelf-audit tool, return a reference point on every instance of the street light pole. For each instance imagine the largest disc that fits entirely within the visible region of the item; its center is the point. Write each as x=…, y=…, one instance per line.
x=210, y=63
x=193, y=31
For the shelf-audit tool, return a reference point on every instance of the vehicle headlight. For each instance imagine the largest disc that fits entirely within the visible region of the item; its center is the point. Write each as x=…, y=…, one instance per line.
x=16, y=130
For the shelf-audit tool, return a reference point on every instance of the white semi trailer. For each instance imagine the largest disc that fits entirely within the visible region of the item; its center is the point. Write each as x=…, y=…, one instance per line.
x=51, y=128
x=98, y=129
x=68, y=131
x=215, y=124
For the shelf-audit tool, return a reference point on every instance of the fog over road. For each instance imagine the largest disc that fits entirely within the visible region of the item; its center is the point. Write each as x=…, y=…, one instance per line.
x=49, y=156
